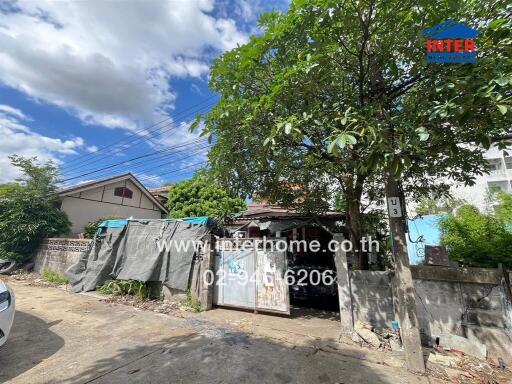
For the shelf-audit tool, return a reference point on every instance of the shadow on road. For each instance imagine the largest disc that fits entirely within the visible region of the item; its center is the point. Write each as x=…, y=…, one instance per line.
x=216, y=355
x=31, y=341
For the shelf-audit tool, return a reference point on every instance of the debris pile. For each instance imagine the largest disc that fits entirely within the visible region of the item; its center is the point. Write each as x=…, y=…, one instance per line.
x=456, y=367
x=175, y=308
x=31, y=278
x=381, y=339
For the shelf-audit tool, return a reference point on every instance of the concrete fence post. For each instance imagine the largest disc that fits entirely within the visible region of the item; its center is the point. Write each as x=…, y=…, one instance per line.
x=344, y=287
x=207, y=264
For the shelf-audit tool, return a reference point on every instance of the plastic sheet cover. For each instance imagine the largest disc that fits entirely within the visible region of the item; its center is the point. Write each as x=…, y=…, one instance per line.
x=152, y=250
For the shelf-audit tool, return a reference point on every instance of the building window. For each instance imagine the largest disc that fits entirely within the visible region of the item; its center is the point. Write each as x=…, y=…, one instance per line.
x=508, y=162
x=494, y=188
x=123, y=192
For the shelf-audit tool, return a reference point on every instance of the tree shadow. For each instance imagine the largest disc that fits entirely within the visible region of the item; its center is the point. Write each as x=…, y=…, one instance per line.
x=31, y=341
x=217, y=355
x=299, y=312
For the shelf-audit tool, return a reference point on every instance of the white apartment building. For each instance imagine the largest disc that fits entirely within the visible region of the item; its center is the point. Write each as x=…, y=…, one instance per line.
x=499, y=179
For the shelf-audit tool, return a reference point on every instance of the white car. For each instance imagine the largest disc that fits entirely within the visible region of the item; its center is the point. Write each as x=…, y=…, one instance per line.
x=6, y=311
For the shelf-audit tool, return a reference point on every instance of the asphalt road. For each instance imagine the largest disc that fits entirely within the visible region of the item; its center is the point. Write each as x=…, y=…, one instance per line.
x=61, y=337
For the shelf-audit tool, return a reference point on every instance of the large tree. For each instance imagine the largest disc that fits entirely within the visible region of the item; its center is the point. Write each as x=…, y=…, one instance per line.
x=336, y=96
x=202, y=196
x=29, y=212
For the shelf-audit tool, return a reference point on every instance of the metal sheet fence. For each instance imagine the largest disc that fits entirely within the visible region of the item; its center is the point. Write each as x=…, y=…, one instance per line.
x=251, y=275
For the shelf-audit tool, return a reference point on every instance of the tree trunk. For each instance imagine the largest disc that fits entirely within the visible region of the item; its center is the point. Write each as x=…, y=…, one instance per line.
x=402, y=283
x=355, y=226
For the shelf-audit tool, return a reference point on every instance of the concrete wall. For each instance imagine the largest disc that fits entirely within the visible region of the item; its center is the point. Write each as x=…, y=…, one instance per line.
x=372, y=299
x=57, y=255
x=467, y=302
x=100, y=202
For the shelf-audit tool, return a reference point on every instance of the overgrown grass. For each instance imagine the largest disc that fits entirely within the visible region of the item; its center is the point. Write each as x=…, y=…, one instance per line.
x=139, y=289
x=191, y=302
x=54, y=277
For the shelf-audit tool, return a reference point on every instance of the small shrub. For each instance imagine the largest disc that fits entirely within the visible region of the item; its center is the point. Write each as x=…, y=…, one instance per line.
x=191, y=302
x=136, y=288
x=91, y=228
x=54, y=277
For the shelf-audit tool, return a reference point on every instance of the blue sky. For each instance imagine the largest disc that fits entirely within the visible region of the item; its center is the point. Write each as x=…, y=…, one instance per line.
x=93, y=84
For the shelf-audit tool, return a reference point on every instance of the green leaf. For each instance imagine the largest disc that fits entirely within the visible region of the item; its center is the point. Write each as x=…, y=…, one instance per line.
x=396, y=166
x=503, y=108
x=330, y=147
x=195, y=124
x=422, y=133
x=502, y=81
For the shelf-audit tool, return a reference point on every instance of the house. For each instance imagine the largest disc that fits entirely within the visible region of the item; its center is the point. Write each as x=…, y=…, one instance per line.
x=263, y=219
x=161, y=193
x=120, y=196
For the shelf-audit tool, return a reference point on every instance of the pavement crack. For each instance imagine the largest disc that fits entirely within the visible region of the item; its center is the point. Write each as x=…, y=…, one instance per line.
x=159, y=349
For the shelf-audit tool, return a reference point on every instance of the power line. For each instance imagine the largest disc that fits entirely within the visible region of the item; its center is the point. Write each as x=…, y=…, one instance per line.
x=144, y=166
x=156, y=155
x=146, y=130
x=85, y=163
x=204, y=162
x=134, y=158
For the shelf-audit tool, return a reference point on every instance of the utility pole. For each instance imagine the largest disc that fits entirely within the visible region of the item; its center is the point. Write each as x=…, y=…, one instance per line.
x=402, y=281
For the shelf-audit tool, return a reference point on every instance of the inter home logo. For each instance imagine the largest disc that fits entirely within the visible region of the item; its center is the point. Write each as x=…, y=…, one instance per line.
x=451, y=42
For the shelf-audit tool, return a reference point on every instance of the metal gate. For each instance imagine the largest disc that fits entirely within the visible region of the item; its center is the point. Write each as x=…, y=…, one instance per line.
x=250, y=274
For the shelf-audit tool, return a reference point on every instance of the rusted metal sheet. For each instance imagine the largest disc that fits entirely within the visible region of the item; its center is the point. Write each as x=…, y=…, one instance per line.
x=271, y=288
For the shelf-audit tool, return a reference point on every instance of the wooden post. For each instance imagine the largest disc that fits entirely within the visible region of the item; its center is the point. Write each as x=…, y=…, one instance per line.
x=403, y=284
x=207, y=264
x=344, y=288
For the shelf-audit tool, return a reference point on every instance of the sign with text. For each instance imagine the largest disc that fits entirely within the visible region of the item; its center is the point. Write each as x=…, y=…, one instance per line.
x=451, y=42
x=394, y=207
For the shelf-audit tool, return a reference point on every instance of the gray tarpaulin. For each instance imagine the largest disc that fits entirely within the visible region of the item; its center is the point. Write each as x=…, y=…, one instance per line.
x=133, y=253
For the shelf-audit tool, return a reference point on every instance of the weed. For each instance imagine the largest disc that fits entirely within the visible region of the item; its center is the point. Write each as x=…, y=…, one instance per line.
x=54, y=277
x=191, y=302
x=136, y=288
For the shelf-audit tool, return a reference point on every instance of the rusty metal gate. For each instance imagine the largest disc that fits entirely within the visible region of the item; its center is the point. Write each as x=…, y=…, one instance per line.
x=250, y=274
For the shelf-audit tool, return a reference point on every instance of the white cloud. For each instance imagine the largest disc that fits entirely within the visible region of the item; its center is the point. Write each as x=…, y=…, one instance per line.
x=19, y=139
x=8, y=110
x=108, y=62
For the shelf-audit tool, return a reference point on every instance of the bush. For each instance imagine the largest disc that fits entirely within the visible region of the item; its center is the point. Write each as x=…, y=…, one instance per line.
x=91, y=228
x=30, y=212
x=475, y=239
x=54, y=277
x=136, y=288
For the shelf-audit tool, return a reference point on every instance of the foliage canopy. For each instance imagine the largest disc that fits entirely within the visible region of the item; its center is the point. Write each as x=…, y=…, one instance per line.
x=333, y=95
x=202, y=196
x=30, y=211
x=476, y=239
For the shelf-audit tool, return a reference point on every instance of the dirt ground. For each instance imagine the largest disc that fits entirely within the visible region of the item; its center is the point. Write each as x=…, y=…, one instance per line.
x=61, y=337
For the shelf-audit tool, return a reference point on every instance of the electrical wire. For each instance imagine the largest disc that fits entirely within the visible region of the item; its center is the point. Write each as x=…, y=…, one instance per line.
x=151, y=165
x=86, y=163
x=134, y=158
x=145, y=130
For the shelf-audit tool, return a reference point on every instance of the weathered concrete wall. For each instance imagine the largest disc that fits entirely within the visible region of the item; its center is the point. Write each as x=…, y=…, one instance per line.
x=57, y=255
x=372, y=299
x=470, y=302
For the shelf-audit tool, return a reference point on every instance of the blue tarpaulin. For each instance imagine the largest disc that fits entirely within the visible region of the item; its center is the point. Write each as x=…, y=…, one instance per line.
x=121, y=223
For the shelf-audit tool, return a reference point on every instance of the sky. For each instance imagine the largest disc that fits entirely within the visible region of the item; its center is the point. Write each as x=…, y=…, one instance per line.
x=107, y=87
